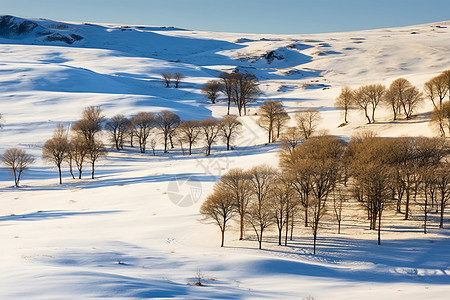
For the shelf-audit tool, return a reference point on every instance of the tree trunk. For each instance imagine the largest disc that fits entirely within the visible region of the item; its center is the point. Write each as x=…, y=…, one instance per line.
x=315, y=239
x=287, y=229
x=93, y=168
x=223, y=238
x=241, y=236
x=407, y=202
x=339, y=226
x=260, y=239
x=280, y=229
x=228, y=142
x=367, y=116
x=425, y=215
x=379, y=227
x=441, y=221
x=60, y=176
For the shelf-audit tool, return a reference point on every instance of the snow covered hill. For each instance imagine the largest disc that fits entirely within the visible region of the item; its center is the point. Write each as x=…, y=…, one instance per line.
x=121, y=236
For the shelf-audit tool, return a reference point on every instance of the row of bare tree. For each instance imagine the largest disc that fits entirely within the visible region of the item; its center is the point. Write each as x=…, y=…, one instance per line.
x=379, y=173
x=436, y=90
x=172, y=130
x=274, y=118
x=402, y=98
x=239, y=89
x=81, y=146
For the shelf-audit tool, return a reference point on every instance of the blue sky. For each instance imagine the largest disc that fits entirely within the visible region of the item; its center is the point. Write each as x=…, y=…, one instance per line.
x=252, y=16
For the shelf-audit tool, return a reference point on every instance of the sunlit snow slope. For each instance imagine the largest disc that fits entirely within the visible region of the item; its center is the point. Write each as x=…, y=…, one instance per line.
x=122, y=235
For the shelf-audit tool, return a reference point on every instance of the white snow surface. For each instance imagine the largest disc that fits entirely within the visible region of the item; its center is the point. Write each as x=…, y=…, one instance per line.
x=127, y=234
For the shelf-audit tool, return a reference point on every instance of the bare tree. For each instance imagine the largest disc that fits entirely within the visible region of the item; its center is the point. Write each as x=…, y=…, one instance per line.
x=246, y=89
x=153, y=143
x=373, y=172
x=211, y=90
x=90, y=123
x=229, y=85
x=402, y=94
x=230, y=127
x=118, y=127
x=18, y=161
x=291, y=137
x=211, y=129
x=236, y=182
x=57, y=148
x=368, y=97
x=272, y=116
x=282, y=194
x=177, y=76
x=219, y=206
x=95, y=151
x=435, y=89
x=189, y=131
x=345, y=101
x=167, y=122
x=443, y=187
x=307, y=120
x=167, y=77
x=446, y=78
x=260, y=216
x=339, y=198
x=143, y=123
x=79, y=149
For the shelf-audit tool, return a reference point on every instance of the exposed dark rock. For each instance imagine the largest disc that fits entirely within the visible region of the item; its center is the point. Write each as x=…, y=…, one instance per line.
x=10, y=26
x=270, y=56
x=57, y=37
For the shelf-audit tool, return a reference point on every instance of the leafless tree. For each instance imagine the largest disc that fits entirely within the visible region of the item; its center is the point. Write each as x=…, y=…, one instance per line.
x=236, y=182
x=230, y=127
x=95, y=151
x=189, y=131
x=79, y=149
x=118, y=127
x=153, y=143
x=345, y=101
x=403, y=95
x=246, y=90
x=167, y=78
x=369, y=97
x=210, y=129
x=446, y=76
x=443, y=187
x=291, y=138
x=57, y=148
x=307, y=120
x=18, y=161
x=272, y=116
x=177, y=76
x=374, y=174
x=211, y=90
x=219, y=206
x=339, y=199
x=283, y=204
x=436, y=89
x=167, y=122
x=259, y=212
x=90, y=123
x=143, y=123
x=229, y=85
